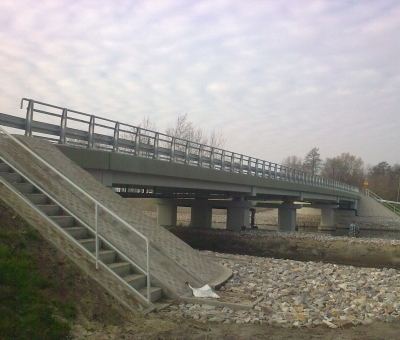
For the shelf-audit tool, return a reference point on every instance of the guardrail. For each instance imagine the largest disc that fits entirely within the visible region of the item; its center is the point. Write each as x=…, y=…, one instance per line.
x=97, y=205
x=385, y=203
x=65, y=126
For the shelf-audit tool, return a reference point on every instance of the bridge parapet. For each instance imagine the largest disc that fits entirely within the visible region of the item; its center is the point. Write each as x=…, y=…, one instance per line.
x=65, y=126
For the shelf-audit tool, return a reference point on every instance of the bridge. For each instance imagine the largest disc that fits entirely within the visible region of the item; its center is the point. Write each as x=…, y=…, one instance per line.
x=136, y=162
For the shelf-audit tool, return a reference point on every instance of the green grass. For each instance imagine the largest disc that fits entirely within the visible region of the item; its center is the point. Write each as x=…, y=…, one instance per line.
x=27, y=309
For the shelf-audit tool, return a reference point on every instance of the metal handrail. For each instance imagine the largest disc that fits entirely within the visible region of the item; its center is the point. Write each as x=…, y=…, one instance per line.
x=385, y=203
x=125, y=138
x=97, y=204
x=72, y=239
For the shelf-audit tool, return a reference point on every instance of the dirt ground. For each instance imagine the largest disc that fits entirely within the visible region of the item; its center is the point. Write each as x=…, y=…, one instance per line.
x=99, y=316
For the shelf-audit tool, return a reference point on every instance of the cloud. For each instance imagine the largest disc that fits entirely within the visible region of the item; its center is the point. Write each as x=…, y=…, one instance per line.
x=279, y=78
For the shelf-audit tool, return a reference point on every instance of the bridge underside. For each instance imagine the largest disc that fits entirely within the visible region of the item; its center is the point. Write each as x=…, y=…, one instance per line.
x=205, y=189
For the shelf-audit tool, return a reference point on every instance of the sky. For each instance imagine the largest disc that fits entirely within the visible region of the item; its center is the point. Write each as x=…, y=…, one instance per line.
x=277, y=78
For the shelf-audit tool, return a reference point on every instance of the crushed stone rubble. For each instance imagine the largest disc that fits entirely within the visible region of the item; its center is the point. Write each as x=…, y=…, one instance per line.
x=300, y=294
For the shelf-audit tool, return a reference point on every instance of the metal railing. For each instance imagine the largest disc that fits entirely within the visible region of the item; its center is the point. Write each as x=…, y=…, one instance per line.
x=97, y=205
x=387, y=204
x=65, y=126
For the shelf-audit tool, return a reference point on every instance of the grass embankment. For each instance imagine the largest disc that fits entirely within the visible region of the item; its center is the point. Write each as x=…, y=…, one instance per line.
x=29, y=306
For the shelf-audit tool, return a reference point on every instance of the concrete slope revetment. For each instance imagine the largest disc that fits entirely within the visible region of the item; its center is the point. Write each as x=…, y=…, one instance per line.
x=367, y=206
x=172, y=262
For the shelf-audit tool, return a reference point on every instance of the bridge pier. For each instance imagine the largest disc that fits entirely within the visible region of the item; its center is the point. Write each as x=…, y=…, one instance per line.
x=238, y=214
x=287, y=216
x=166, y=212
x=201, y=214
x=328, y=218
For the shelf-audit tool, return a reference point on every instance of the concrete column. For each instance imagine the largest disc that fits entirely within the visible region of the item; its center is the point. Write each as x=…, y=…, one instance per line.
x=328, y=218
x=253, y=217
x=201, y=214
x=166, y=212
x=287, y=216
x=238, y=215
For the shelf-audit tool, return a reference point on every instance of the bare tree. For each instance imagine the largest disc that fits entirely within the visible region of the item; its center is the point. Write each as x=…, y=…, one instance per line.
x=345, y=168
x=293, y=162
x=312, y=161
x=185, y=129
x=384, y=180
x=147, y=124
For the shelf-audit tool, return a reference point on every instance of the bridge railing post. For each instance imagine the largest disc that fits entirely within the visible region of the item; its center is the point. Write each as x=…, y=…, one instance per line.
x=91, y=132
x=223, y=160
x=256, y=171
x=156, y=142
x=172, y=154
x=187, y=147
x=137, y=142
x=263, y=169
x=63, y=127
x=29, y=118
x=116, y=138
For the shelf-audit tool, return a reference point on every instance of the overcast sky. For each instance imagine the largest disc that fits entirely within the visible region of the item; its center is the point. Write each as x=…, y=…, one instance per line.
x=276, y=77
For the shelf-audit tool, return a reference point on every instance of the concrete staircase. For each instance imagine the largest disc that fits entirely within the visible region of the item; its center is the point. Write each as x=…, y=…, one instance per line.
x=37, y=183
x=83, y=235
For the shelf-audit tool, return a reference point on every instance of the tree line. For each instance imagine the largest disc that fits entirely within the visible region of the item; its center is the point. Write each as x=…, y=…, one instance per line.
x=383, y=179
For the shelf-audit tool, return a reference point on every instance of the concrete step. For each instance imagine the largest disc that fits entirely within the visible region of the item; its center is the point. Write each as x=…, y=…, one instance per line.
x=63, y=221
x=89, y=244
x=11, y=177
x=24, y=188
x=4, y=167
x=77, y=232
x=37, y=199
x=121, y=268
x=137, y=281
x=155, y=293
x=50, y=209
x=107, y=256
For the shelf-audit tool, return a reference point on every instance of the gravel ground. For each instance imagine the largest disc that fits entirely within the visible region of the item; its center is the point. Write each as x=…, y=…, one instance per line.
x=301, y=294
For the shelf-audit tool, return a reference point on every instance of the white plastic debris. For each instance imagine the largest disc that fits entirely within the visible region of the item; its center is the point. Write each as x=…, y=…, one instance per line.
x=204, y=291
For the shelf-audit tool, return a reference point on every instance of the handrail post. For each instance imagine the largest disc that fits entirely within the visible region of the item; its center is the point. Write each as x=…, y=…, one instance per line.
x=116, y=138
x=91, y=132
x=241, y=164
x=63, y=127
x=223, y=160
x=148, y=271
x=212, y=158
x=97, y=234
x=232, y=162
